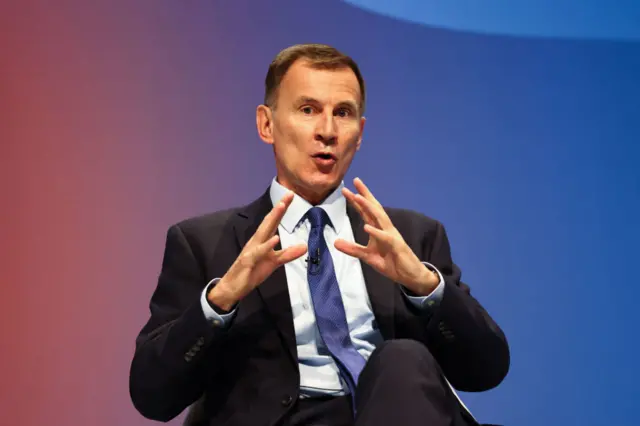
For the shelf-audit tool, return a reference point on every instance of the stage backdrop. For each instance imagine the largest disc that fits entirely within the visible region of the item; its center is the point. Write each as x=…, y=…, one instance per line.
x=517, y=127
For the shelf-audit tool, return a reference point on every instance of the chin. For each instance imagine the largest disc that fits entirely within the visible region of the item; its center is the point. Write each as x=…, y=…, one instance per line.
x=319, y=185
x=324, y=182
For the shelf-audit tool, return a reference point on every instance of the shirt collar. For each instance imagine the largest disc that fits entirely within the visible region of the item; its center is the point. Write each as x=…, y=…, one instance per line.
x=335, y=205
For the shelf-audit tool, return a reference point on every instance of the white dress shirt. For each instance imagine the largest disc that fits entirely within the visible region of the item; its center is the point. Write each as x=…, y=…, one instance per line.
x=318, y=372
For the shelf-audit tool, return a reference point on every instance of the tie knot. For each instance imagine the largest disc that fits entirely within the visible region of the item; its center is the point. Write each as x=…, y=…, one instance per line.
x=318, y=217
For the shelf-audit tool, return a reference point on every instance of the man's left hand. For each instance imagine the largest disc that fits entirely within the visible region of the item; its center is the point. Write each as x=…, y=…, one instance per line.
x=386, y=251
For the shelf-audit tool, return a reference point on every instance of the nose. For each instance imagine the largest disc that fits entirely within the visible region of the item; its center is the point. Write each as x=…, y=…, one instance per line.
x=326, y=130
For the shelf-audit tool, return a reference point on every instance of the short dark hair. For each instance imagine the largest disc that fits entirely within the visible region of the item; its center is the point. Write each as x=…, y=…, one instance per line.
x=319, y=56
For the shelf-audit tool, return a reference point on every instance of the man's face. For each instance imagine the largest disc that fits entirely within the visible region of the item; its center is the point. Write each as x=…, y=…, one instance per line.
x=315, y=128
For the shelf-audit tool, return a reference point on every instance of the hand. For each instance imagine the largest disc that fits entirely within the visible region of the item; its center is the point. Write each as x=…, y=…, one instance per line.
x=386, y=251
x=256, y=261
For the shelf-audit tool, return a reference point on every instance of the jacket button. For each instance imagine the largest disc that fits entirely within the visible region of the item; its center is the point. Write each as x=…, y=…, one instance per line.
x=287, y=400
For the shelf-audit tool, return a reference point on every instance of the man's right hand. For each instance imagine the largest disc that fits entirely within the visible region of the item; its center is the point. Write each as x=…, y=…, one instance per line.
x=257, y=260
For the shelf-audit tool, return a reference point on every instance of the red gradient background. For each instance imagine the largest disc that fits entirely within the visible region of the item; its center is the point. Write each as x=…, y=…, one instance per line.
x=94, y=171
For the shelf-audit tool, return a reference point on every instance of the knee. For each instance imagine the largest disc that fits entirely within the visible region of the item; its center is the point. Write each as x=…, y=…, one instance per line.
x=402, y=348
x=403, y=354
x=400, y=364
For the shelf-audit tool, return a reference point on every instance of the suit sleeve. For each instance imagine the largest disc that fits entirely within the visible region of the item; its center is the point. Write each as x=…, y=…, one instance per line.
x=167, y=372
x=469, y=346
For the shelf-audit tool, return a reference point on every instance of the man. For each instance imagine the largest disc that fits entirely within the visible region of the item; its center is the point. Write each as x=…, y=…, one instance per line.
x=313, y=305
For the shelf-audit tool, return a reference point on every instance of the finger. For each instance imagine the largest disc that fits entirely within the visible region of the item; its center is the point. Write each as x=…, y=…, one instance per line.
x=289, y=254
x=271, y=221
x=381, y=216
x=351, y=197
x=263, y=249
x=352, y=249
x=364, y=190
x=376, y=212
x=381, y=236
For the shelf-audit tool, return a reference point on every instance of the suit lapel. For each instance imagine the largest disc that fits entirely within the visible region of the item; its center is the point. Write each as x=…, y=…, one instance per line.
x=380, y=288
x=274, y=291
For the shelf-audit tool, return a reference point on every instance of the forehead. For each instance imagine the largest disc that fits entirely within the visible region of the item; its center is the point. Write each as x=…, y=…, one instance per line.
x=323, y=84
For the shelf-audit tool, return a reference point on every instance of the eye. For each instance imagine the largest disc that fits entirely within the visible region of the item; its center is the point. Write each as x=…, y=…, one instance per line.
x=343, y=112
x=307, y=110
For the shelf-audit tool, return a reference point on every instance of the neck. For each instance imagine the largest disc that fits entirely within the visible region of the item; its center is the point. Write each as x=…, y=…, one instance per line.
x=313, y=197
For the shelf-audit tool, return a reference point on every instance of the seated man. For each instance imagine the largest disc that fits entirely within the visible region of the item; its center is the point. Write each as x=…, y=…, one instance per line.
x=313, y=305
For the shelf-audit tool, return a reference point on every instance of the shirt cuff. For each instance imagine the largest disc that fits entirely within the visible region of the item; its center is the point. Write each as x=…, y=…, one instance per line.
x=432, y=300
x=210, y=313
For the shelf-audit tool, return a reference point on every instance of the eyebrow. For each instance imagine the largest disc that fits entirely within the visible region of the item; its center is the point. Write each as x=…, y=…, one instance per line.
x=306, y=100
x=349, y=104
x=309, y=100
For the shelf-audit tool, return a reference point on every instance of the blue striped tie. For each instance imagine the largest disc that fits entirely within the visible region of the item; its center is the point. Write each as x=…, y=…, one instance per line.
x=327, y=302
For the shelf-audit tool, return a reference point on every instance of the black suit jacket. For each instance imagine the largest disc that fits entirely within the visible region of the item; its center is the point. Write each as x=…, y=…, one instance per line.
x=248, y=374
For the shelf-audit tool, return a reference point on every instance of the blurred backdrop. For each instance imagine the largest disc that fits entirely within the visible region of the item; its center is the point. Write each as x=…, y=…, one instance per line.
x=517, y=127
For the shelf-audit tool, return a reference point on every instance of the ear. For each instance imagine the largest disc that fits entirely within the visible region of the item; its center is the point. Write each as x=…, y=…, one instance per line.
x=264, y=123
x=362, y=121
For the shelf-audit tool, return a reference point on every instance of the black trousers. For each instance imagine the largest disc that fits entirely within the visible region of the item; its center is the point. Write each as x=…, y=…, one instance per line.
x=400, y=385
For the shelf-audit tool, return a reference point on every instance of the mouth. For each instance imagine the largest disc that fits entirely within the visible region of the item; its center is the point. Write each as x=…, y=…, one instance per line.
x=325, y=156
x=325, y=160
